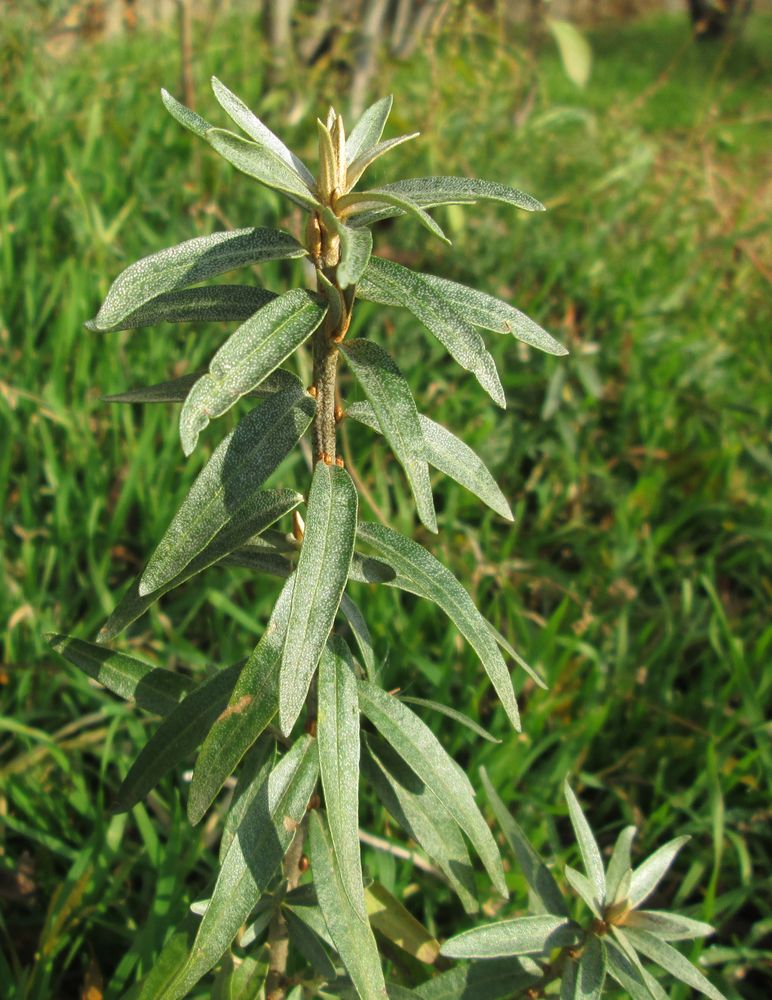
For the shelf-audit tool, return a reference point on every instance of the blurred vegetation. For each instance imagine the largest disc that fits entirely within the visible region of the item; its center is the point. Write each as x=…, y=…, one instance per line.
x=636, y=576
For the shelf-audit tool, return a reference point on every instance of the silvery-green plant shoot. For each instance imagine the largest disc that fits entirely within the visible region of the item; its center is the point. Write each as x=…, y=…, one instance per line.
x=304, y=718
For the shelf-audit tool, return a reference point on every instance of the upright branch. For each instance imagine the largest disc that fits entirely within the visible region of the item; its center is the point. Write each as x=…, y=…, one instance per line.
x=324, y=246
x=299, y=791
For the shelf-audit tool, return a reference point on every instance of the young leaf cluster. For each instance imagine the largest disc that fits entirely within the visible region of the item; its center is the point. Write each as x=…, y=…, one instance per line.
x=613, y=943
x=304, y=717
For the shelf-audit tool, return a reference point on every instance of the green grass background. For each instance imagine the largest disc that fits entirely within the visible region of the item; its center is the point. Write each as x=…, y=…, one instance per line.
x=636, y=576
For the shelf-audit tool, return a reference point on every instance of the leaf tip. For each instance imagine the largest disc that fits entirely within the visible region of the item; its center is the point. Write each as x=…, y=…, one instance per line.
x=91, y=325
x=190, y=429
x=188, y=446
x=196, y=809
x=119, y=805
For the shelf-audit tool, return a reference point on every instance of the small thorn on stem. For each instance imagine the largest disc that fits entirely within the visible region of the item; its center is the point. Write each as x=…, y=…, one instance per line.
x=311, y=390
x=314, y=802
x=340, y=413
x=311, y=727
x=326, y=458
x=303, y=863
x=340, y=463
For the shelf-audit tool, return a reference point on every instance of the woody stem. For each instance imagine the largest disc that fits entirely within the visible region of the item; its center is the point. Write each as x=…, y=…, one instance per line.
x=325, y=355
x=278, y=935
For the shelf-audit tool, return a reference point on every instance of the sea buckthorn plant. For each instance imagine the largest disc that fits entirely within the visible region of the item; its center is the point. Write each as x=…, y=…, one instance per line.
x=287, y=735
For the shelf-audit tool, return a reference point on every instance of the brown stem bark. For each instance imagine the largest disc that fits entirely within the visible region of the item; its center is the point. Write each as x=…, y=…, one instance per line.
x=325, y=367
x=278, y=935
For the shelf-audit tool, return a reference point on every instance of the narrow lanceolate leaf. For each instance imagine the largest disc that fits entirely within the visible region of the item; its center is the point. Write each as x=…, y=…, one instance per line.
x=259, y=161
x=422, y=815
x=368, y=156
x=368, y=130
x=167, y=966
x=451, y=713
x=244, y=980
x=152, y=688
x=258, y=131
x=584, y=888
x=619, y=863
x=390, y=918
x=351, y=936
x=210, y=304
x=431, y=191
x=667, y=926
x=522, y=936
x=394, y=407
x=356, y=247
x=363, y=201
x=359, y=629
x=187, y=118
x=328, y=173
x=450, y=455
x=588, y=846
x=250, y=708
x=338, y=136
x=540, y=880
x=303, y=903
x=187, y=264
x=260, y=560
x=365, y=569
x=491, y=313
x=420, y=573
x=257, y=765
x=647, y=876
x=260, y=511
x=247, y=357
x=254, y=856
x=495, y=979
x=666, y=957
x=177, y=737
x=568, y=981
x=309, y=945
x=619, y=899
x=631, y=975
x=510, y=650
x=424, y=754
x=176, y=390
x=588, y=974
x=338, y=737
x=388, y=283
x=620, y=938
x=238, y=467
x=323, y=566
x=355, y=252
